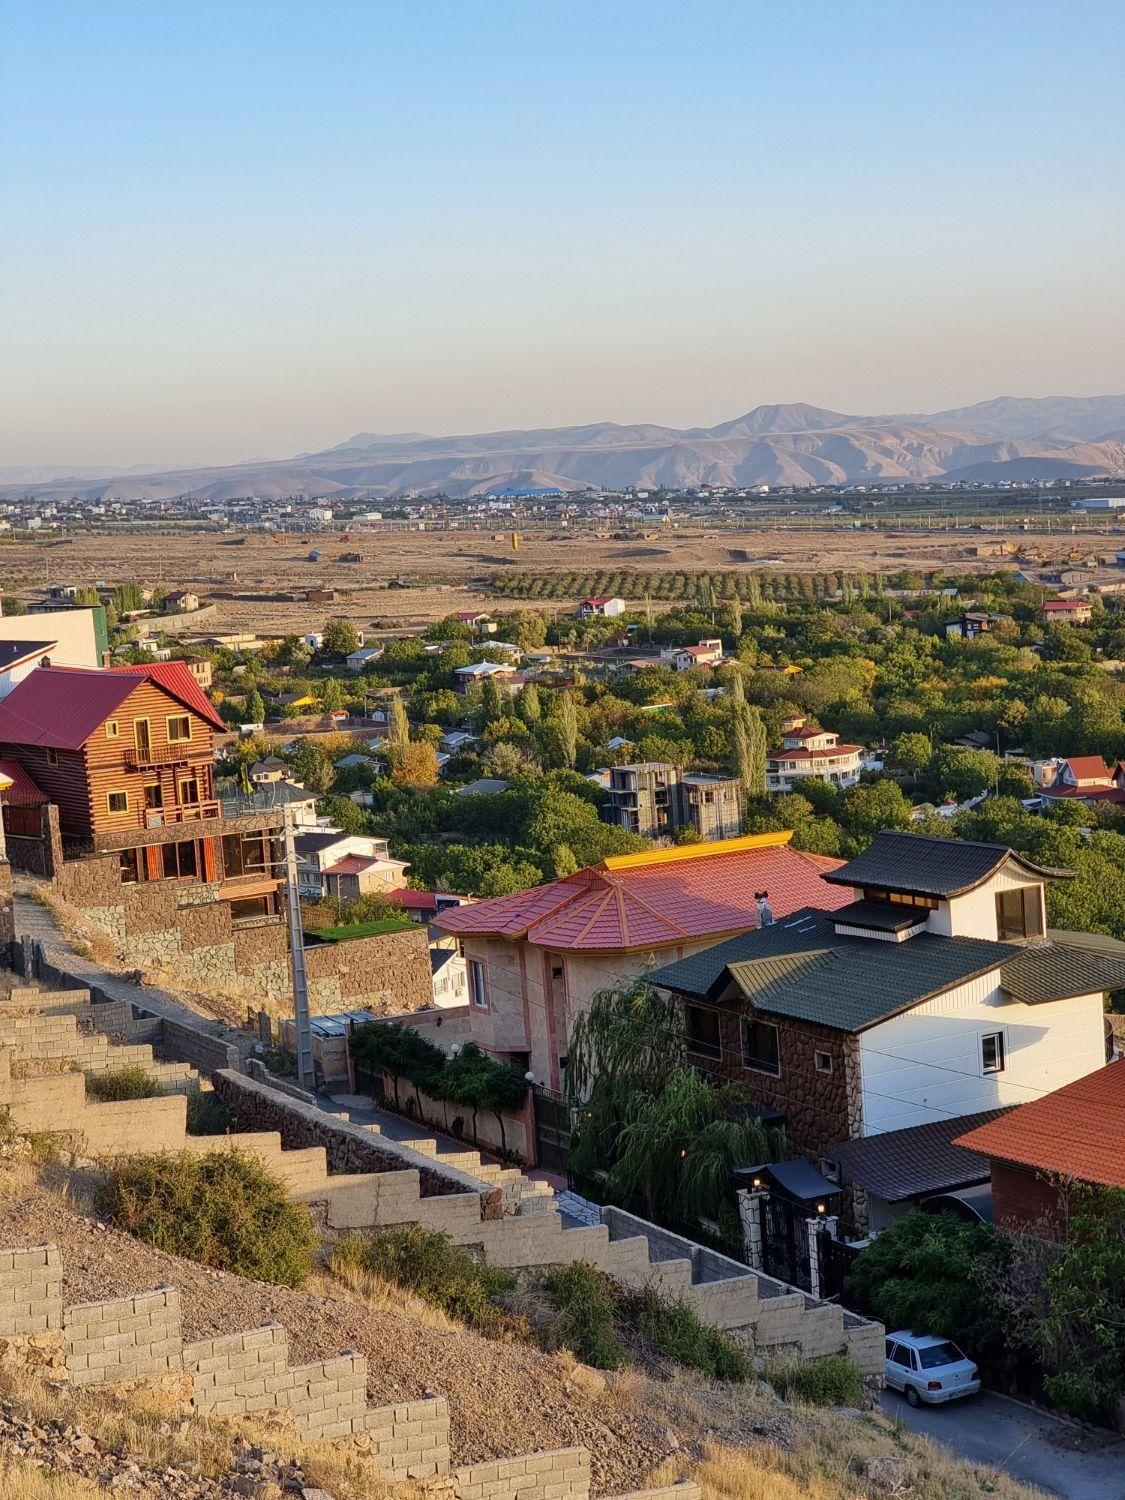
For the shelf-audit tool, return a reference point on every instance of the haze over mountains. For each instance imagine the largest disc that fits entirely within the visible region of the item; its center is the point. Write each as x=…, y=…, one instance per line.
x=1009, y=438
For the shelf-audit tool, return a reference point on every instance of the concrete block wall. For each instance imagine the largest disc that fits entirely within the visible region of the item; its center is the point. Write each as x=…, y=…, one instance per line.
x=562, y=1475
x=30, y=1291
x=123, y=1339
x=410, y=1440
x=42, y=1036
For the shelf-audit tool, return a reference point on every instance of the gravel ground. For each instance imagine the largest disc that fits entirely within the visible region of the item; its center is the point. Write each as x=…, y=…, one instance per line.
x=504, y=1400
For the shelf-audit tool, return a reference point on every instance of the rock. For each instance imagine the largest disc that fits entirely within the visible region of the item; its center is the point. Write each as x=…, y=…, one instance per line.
x=584, y=1378
x=889, y=1475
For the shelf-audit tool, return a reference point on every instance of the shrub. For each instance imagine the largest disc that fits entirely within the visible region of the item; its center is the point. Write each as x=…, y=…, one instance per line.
x=223, y=1209
x=428, y=1263
x=207, y=1114
x=121, y=1083
x=676, y=1330
x=833, y=1381
x=586, y=1324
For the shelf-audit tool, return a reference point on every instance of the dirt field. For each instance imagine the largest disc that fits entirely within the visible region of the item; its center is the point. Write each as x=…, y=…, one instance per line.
x=448, y=571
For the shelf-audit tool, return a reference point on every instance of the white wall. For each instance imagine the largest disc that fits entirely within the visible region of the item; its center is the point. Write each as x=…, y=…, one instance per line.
x=73, y=629
x=974, y=914
x=926, y=1065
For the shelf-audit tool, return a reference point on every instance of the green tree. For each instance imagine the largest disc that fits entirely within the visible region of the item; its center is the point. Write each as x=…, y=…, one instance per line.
x=912, y=751
x=528, y=706
x=340, y=639
x=255, y=708
x=869, y=808
x=963, y=773
x=568, y=728
x=332, y=696
x=398, y=728
x=749, y=736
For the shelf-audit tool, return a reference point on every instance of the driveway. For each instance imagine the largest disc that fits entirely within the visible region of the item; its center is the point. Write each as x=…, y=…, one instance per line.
x=1029, y=1445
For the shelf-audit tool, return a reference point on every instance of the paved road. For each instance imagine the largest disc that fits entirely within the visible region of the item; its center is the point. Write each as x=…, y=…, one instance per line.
x=1032, y=1447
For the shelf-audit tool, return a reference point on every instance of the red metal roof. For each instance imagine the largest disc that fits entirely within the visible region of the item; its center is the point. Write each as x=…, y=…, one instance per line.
x=352, y=864
x=1088, y=768
x=175, y=678
x=60, y=707
x=1078, y=1131
x=23, y=790
x=1066, y=604
x=414, y=900
x=707, y=892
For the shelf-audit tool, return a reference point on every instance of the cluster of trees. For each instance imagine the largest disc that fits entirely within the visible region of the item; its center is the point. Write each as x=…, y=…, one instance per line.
x=469, y=1079
x=1037, y=1318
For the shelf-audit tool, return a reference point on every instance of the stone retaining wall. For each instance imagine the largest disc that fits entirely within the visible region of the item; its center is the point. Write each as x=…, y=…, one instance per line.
x=562, y=1475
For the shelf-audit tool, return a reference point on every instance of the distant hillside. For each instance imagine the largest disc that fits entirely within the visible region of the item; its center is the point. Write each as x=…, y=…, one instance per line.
x=1010, y=437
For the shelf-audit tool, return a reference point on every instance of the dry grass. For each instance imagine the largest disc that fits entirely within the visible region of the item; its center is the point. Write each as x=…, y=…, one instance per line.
x=29, y=1482
x=42, y=1067
x=148, y=1422
x=352, y=1283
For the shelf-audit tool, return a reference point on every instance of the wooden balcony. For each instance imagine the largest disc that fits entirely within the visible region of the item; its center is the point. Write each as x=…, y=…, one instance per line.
x=164, y=817
x=170, y=755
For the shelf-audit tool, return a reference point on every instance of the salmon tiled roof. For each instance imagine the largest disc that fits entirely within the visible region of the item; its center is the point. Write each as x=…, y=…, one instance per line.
x=657, y=900
x=1078, y=1131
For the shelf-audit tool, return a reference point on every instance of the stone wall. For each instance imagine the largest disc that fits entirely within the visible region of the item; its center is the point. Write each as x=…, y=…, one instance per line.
x=350, y=1148
x=239, y=1374
x=388, y=972
x=820, y=1108
x=562, y=1475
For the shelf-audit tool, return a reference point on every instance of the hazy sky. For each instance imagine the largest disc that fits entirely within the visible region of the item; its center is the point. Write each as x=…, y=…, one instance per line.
x=237, y=228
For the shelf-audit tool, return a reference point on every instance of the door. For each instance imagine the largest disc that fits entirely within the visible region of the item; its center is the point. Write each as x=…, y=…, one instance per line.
x=898, y=1366
x=142, y=737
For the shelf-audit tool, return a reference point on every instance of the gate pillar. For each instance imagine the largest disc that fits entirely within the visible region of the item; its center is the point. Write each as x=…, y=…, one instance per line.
x=750, y=1217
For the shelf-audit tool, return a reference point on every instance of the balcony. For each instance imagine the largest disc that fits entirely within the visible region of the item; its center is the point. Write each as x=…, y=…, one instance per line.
x=194, y=812
x=146, y=760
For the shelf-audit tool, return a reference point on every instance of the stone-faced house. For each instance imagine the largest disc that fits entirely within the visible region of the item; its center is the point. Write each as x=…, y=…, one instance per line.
x=932, y=994
x=537, y=957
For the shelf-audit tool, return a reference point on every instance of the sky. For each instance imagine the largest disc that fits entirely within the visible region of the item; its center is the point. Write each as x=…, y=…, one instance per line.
x=251, y=228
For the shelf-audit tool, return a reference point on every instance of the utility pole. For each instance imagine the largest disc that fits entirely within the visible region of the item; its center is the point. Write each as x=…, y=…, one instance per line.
x=306, y=1071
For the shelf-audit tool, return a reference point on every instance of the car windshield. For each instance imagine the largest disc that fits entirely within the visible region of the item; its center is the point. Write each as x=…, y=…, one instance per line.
x=940, y=1354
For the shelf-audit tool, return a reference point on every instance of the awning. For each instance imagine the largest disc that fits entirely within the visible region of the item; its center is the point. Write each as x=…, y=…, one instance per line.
x=797, y=1178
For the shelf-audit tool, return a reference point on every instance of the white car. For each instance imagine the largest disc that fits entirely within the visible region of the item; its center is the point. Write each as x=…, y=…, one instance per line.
x=928, y=1369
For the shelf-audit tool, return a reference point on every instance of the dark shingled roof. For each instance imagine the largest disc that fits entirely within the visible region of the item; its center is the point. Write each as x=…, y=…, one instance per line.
x=900, y=1164
x=803, y=968
x=1053, y=971
x=12, y=652
x=881, y=916
x=933, y=867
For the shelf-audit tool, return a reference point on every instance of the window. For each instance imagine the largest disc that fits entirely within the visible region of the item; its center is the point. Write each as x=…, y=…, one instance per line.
x=132, y=865
x=1019, y=913
x=249, y=854
x=251, y=908
x=759, y=1047
x=112, y=729
x=179, y=728
x=992, y=1052
x=154, y=796
x=52, y=756
x=478, y=985
x=900, y=898
x=117, y=802
x=823, y=1061
x=179, y=860
x=189, y=791
x=704, y=1033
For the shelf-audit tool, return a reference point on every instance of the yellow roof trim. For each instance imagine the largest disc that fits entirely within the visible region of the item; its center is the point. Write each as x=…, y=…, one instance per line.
x=682, y=852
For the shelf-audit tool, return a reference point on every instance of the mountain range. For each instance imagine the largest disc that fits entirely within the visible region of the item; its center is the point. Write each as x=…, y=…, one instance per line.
x=1009, y=438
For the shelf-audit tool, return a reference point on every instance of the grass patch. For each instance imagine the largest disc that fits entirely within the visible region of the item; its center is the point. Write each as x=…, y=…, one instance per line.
x=223, y=1210
x=430, y=1265
x=587, y=1323
x=375, y=928
x=832, y=1381
x=122, y=1083
x=207, y=1114
x=675, y=1329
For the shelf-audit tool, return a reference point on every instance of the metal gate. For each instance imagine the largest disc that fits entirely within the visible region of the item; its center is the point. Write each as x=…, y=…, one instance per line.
x=554, y=1121
x=785, y=1240
x=835, y=1260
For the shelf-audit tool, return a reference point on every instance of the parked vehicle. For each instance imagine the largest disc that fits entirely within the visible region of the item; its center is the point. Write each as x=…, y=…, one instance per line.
x=928, y=1369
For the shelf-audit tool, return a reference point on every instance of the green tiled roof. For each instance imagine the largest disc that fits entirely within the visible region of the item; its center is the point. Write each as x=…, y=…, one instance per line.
x=932, y=867
x=1053, y=971
x=802, y=968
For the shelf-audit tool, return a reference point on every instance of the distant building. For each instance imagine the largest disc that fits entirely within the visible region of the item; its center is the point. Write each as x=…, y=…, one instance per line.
x=359, y=661
x=607, y=605
x=479, y=671
x=1067, y=612
x=708, y=653
x=817, y=754
x=973, y=623
x=182, y=602
x=656, y=799
x=19, y=658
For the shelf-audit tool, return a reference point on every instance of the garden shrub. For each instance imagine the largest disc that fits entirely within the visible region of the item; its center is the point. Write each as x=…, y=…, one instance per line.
x=223, y=1209
x=586, y=1324
x=428, y=1263
x=676, y=1330
x=207, y=1114
x=833, y=1381
x=122, y=1083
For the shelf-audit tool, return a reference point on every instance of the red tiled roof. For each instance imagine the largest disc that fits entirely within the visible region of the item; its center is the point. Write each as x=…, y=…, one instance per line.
x=833, y=752
x=1088, y=768
x=23, y=790
x=1064, y=604
x=352, y=864
x=1078, y=1131
x=601, y=599
x=653, y=901
x=175, y=678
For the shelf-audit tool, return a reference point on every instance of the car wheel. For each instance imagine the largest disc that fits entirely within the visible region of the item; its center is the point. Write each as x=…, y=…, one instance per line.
x=912, y=1396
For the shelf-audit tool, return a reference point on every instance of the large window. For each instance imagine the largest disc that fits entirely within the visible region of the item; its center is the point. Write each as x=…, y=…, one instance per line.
x=132, y=866
x=249, y=854
x=478, y=984
x=179, y=728
x=1019, y=912
x=180, y=861
x=252, y=908
x=759, y=1047
x=704, y=1031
